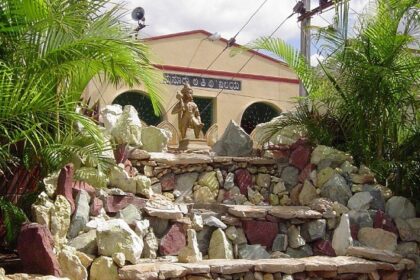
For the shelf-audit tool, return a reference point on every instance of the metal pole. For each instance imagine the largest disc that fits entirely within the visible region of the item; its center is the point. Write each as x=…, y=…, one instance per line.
x=305, y=43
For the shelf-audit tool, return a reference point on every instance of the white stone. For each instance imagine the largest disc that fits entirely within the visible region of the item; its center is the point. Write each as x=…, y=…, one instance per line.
x=342, y=236
x=151, y=245
x=115, y=236
x=129, y=214
x=41, y=209
x=143, y=185
x=119, y=259
x=120, y=178
x=70, y=265
x=103, y=268
x=109, y=116
x=128, y=128
x=60, y=220
x=155, y=139
x=197, y=221
x=141, y=227
x=50, y=184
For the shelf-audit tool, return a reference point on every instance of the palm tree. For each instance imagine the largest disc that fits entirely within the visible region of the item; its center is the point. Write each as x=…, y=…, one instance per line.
x=49, y=51
x=364, y=97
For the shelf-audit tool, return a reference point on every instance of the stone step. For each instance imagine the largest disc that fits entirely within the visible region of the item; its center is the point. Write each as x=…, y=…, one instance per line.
x=331, y=265
x=282, y=212
x=192, y=158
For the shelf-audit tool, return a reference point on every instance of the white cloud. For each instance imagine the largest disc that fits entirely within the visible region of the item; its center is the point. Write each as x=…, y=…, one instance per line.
x=227, y=17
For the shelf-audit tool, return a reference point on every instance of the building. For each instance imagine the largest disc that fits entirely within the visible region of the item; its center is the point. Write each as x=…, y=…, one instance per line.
x=252, y=94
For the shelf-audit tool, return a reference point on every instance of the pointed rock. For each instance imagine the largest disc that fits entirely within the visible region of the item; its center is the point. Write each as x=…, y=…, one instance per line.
x=220, y=247
x=191, y=253
x=342, y=236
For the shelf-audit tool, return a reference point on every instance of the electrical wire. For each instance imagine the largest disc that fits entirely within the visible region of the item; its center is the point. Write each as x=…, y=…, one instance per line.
x=248, y=21
x=230, y=42
x=250, y=58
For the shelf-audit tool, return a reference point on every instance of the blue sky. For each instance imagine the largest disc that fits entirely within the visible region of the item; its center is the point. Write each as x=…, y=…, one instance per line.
x=227, y=17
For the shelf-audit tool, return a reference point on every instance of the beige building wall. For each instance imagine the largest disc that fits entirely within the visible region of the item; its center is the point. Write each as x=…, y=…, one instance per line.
x=263, y=79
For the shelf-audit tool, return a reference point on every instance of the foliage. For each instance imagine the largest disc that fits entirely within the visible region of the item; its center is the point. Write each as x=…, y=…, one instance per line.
x=49, y=51
x=12, y=217
x=364, y=97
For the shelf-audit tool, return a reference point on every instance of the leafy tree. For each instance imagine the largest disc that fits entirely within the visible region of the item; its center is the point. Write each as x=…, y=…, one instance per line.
x=49, y=51
x=364, y=96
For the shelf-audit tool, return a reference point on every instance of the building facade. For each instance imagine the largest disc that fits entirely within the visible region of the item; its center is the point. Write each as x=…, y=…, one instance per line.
x=248, y=88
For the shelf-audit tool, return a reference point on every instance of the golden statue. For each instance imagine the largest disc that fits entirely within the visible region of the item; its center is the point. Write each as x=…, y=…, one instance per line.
x=188, y=113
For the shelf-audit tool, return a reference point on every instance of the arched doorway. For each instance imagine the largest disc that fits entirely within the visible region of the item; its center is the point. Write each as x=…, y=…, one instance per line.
x=257, y=113
x=142, y=103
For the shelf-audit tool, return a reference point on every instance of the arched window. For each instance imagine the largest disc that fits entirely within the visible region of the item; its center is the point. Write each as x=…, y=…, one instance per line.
x=257, y=113
x=205, y=106
x=143, y=105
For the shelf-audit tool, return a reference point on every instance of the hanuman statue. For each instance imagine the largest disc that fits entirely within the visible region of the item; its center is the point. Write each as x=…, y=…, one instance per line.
x=188, y=113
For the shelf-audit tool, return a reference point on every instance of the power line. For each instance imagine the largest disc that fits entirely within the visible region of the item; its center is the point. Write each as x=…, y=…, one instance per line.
x=229, y=44
x=251, y=57
x=247, y=22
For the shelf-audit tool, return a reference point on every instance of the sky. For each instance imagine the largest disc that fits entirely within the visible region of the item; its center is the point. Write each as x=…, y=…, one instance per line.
x=228, y=16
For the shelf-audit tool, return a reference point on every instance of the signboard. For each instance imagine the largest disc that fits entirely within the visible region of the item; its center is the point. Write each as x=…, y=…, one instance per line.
x=202, y=82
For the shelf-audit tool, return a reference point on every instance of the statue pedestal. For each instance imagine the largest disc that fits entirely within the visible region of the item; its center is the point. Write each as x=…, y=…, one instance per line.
x=193, y=145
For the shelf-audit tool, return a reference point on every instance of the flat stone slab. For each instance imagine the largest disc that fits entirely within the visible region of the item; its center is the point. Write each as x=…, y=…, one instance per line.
x=246, y=211
x=174, y=159
x=294, y=212
x=353, y=264
x=154, y=269
x=169, y=214
x=288, y=266
x=319, y=263
x=374, y=254
x=223, y=266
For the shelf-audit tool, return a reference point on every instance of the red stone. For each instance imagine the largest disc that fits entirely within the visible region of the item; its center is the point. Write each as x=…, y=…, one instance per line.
x=35, y=249
x=173, y=241
x=65, y=184
x=128, y=167
x=300, y=156
x=260, y=232
x=79, y=185
x=300, y=142
x=96, y=206
x=243, y=179
x=389, y=275
x=385, y=222
x=281, y=154
x=271, y=218
x=120, y=153
x=168, y=182
x=304, y=174
x=323, y=248
x=114, y=203
x=354, y=230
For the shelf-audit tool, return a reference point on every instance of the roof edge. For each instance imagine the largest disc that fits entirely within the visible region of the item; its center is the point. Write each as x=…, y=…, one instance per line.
x=204, y=32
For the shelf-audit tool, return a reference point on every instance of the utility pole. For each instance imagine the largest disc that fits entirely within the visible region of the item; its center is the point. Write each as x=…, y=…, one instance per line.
x=305, y=41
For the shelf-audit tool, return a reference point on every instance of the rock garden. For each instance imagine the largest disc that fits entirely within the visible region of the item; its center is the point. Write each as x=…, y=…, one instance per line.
x=286, y=210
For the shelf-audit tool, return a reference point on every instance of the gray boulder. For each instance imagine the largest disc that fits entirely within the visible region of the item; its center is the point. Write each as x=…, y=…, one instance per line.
x=400, y=207
x=337, y=189
x=81, y=215
x=234, y=142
